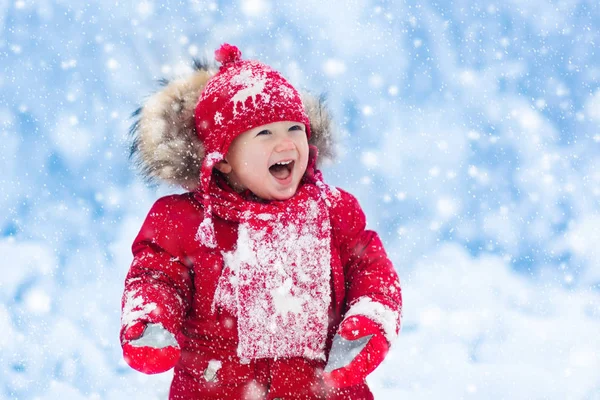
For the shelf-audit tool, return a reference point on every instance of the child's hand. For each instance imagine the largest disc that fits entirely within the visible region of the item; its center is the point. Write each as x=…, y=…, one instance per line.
x=150, y=348
x=358, y=348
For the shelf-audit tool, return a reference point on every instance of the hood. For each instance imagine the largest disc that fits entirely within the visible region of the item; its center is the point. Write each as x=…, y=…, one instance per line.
x=165, y=146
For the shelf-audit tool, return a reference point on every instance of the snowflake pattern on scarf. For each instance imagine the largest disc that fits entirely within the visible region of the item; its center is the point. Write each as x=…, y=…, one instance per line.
x=277, y=282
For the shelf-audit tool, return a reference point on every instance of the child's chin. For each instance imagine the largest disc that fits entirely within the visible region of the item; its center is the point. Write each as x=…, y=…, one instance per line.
x=283, y=195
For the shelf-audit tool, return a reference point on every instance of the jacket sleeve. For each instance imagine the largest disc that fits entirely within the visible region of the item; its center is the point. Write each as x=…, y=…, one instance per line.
x=158, y=286
x=372, y=284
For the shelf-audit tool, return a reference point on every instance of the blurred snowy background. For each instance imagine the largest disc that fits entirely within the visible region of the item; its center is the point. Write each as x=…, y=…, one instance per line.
x=468, y=130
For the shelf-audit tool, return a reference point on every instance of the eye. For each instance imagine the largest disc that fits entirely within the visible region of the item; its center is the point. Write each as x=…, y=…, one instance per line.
x=264, y=132
x=296, y=128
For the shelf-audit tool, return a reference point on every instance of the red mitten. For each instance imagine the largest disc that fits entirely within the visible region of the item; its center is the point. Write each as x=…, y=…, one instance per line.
x=358, y=348
x=150, y=348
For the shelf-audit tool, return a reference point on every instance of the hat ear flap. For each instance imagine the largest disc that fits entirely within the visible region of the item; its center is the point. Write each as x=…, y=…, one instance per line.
x=165, y=144
x=321, y=131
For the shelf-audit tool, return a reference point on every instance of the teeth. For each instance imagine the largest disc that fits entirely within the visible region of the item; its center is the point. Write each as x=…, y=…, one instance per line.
x=282, y=163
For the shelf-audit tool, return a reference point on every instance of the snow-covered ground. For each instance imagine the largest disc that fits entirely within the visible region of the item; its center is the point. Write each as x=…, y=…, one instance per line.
x=468, y=130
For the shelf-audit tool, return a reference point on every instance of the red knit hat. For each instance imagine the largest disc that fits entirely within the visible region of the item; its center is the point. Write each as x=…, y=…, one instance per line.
x=244, y=94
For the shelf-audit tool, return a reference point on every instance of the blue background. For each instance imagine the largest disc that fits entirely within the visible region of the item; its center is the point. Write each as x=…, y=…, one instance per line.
x=468, y=130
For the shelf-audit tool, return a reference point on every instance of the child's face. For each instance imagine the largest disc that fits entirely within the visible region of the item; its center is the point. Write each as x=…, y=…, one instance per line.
x=269, y=160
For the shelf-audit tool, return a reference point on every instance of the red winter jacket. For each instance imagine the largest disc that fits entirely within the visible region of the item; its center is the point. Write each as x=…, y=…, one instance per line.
x=172, y=270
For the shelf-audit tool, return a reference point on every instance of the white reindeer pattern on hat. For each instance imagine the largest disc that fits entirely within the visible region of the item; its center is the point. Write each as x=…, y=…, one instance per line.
x=253, y=86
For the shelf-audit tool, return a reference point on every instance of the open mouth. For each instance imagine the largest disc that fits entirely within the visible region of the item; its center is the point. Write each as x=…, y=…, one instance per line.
x=282, y=170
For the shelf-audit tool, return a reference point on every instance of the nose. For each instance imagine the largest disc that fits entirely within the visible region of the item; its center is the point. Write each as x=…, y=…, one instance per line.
x=284, y=145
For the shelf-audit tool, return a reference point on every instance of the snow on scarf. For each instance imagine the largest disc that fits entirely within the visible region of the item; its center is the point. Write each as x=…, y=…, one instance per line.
x=276, y=280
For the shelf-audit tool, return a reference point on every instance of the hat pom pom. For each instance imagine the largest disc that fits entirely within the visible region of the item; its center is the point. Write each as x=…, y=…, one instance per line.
x=227, y=54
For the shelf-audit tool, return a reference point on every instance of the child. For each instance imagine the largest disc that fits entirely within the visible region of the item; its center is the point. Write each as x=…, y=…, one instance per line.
x=261, y=282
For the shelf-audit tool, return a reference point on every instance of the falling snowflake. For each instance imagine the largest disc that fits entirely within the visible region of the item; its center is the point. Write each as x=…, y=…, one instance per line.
x=218, y=118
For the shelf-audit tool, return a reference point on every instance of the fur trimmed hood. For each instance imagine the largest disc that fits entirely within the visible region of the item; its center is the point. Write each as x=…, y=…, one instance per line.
x=165, y=146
